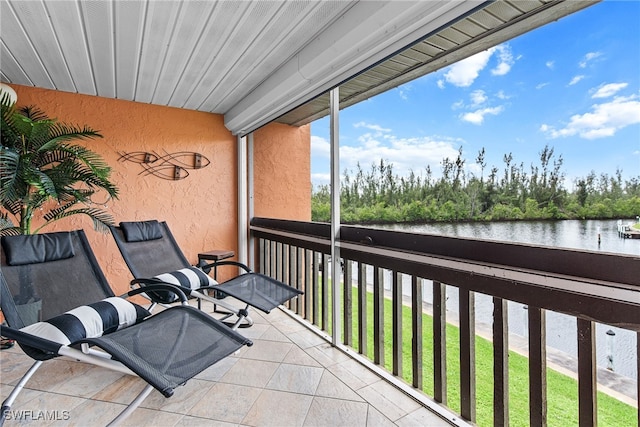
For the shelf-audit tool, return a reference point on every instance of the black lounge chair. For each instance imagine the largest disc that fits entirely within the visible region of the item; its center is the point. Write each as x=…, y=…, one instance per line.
x=153, y=256
x=57, y=302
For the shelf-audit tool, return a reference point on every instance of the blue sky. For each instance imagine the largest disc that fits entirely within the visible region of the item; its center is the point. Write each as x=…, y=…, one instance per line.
x=573, y=85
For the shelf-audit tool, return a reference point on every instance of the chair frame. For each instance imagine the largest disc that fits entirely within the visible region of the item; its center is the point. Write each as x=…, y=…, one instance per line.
x=142, y=277
x=82, y=350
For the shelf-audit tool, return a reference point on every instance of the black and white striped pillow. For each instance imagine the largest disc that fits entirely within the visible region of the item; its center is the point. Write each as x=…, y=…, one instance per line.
x=189, y=277
x=89, y=321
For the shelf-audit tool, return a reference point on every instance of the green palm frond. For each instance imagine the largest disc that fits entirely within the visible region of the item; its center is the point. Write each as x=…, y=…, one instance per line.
x=101, y=219
x=40, y=164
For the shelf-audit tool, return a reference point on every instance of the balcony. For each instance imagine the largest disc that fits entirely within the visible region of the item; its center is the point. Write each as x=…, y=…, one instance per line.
x=291, y=376
x=589, y=287
x=319, y=357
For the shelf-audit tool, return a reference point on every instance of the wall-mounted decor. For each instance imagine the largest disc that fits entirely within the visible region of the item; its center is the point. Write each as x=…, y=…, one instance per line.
x=171, y=166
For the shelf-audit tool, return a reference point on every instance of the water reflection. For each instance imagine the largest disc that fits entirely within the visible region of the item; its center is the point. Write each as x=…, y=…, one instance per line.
x=592, y=235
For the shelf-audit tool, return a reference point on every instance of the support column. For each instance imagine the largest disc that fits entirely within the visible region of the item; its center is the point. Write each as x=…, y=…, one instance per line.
x=243, y=225
x=250, y=207
x=334, y=104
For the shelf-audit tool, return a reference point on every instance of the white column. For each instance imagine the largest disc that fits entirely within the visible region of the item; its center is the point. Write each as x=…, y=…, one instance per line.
x=250, y=190
x=243, y=225
x=336, y=270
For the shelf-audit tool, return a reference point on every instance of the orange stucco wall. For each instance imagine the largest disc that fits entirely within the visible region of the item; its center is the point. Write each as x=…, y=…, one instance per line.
x=201, y=209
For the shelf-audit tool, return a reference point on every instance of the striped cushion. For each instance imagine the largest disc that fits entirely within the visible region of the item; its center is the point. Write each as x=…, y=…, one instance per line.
x=89, y=321
x=190, y=278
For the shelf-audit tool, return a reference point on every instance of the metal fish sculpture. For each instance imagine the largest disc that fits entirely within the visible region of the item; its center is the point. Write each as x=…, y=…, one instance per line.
x=170, y=166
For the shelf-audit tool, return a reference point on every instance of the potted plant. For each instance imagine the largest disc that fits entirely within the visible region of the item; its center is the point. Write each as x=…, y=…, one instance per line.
x=44, y=173
x=41, y=165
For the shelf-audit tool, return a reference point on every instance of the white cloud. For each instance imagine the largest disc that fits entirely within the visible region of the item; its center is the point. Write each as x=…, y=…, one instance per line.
x=366, y=125
x=319, y=147
x=605, y=91
x=464, y=73
x=477, y=117
x=404, y=90
x=502, y=95
x=457, y=105
x=541, y=85
x=604, y=120
x=506, y=60
x=589, y=57
x=575, y=80
x=478, y=97
x=406, y=154
x=550, y=64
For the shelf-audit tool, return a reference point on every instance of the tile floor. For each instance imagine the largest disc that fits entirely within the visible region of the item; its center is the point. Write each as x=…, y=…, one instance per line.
x=289, y=377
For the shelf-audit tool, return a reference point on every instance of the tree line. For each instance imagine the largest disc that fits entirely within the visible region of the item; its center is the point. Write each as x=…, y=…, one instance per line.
x=536, y=191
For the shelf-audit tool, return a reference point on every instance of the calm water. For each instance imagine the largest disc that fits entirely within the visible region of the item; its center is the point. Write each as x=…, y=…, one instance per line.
x=561, y=329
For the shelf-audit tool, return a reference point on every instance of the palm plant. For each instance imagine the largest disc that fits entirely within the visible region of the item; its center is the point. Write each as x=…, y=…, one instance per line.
x=40, y=165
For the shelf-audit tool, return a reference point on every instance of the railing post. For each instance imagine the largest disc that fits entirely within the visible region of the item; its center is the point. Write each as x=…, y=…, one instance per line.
x=378, y=316
x=362, y=308
x=416, y=327
x=587, y=377
x=467, y=355
x=537, y=367
x=348, y=304
x=439, y=342
x=500, y=363
x=396, y=301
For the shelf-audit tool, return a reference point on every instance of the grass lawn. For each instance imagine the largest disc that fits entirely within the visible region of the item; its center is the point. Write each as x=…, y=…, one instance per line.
x=562, y=391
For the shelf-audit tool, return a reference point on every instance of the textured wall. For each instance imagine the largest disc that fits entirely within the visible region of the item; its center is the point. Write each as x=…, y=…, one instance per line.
x=200, y=209
x=282, y=188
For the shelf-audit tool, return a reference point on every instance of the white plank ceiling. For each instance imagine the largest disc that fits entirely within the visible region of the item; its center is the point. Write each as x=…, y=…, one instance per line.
x=253, y=61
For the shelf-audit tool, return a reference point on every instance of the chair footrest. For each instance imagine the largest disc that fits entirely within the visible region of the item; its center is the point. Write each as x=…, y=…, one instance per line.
x=259, y=291
x=172, y=346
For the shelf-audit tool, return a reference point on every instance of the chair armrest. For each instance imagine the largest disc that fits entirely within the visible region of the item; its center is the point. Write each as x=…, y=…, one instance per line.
x=222, y=263
x=150, y=285
x=24, y=338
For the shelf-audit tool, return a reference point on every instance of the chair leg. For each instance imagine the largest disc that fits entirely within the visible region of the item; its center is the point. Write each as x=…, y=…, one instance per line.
x=132, y=406
x=244, y=321
x=6, y=405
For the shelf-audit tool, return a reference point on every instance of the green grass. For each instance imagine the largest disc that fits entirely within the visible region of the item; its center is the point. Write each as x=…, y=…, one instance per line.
x=562, y=391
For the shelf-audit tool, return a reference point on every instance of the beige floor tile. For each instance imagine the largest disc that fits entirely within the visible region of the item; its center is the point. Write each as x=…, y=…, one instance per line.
x=327, y=355
x=306, y=339
x=151, y=417
x=183, y=399
x=13, y=365
x=226, y=402
x=270, y=351
x=376, y=419
x=277, y=408
x=297, y=356
x=295, y=379
x=217, y=371
x=393, y=403
x=255, y=331
x=336, y=412
x=422, y=418
x=94, y=413
x=331, y=386
x=253, y=373
x=188, y=421
x=353, y=374
x=273, y=334
x=38, y=408
x=123, y=391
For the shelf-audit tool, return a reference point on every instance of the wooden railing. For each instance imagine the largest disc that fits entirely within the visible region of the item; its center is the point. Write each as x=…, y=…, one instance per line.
x=592, y=287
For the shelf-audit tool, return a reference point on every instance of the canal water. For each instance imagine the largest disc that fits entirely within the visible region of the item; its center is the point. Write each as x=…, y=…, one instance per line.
x=592, y=235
